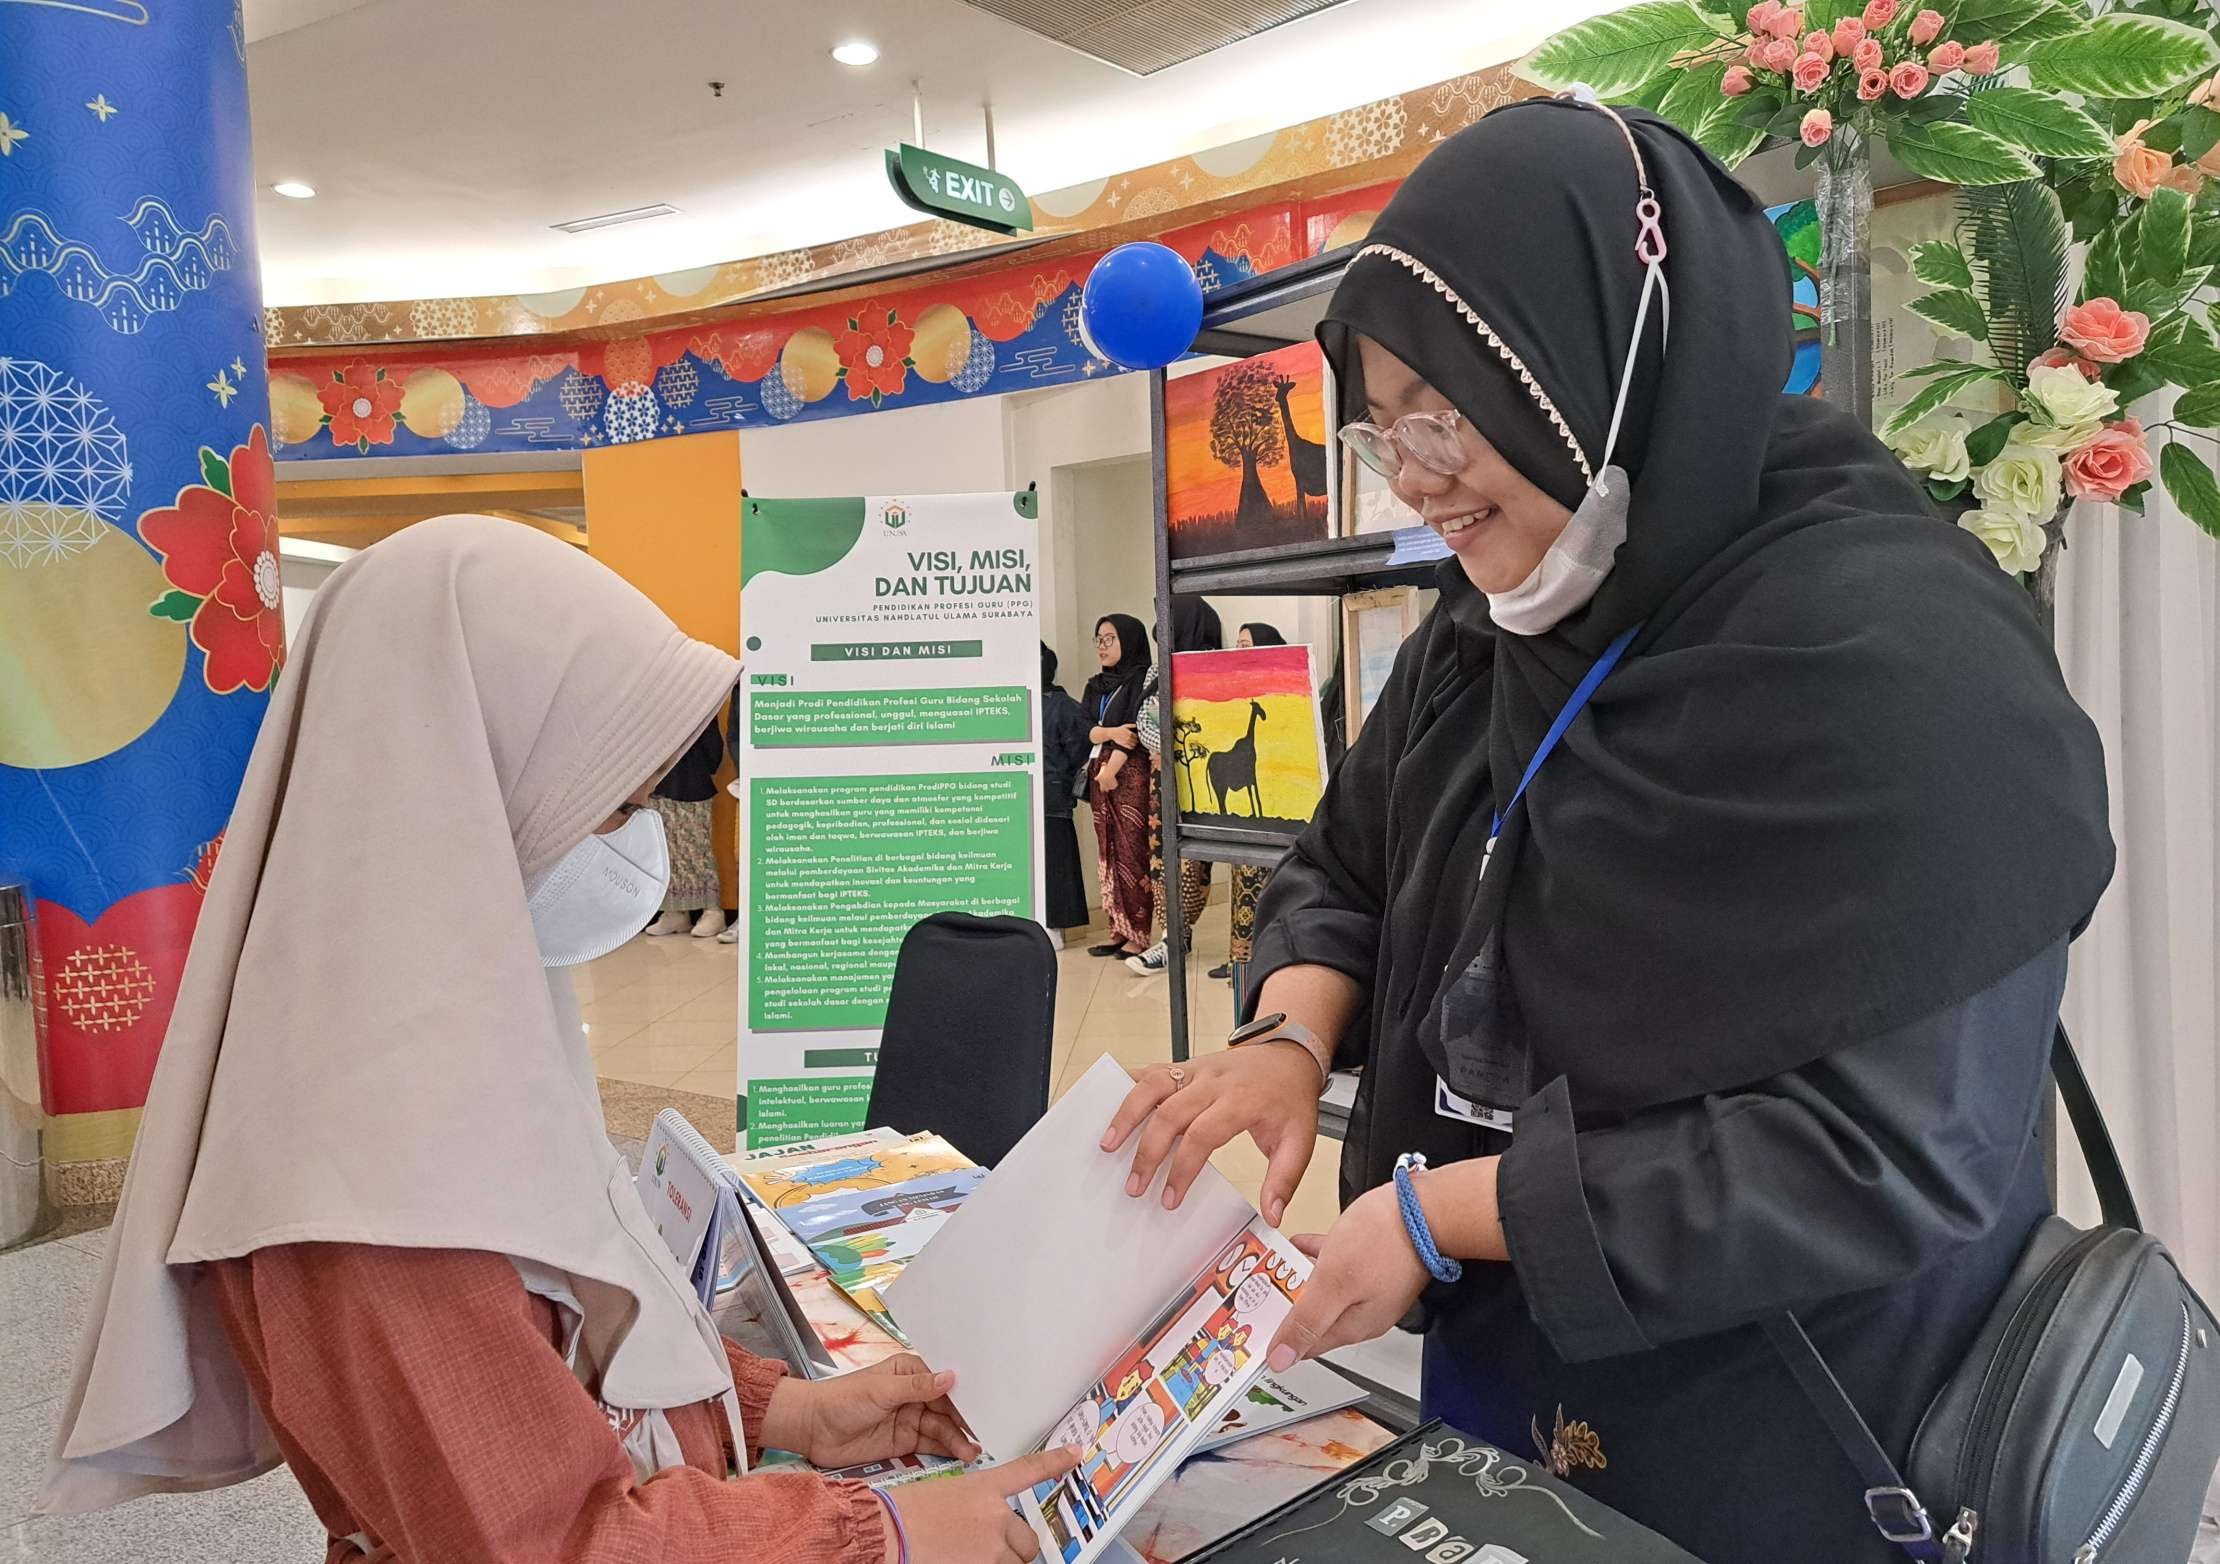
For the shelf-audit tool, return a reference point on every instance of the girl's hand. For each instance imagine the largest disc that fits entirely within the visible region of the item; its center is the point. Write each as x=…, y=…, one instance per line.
x=1268, y=1089
x=968, y=1520
x=898, y=1407
x=1125, y=737
x=1366, y=1278
x=1107, y=777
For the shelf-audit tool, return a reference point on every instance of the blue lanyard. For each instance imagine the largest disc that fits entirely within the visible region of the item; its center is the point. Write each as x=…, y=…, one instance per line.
x=1579, y=698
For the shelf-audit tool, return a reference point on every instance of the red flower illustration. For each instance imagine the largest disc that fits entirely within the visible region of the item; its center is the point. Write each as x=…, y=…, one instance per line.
x=874, y=356
x=218, y=541
x=359, y=404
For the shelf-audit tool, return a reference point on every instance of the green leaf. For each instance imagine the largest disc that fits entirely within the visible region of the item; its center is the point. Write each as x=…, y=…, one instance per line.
x=2103, y=275
x=2204, y=241
x=1788, y=122
x=1943, y=493
x=1985, y=442
x=1934, y=367
x=2212, y=314
x=1938, y=390
x=2191, y=484
x=1821, y=15
x=1730, y=143
x=2165, y=136
x=1958, y=154
x=2192, y=362
x=2009, y=21
x=215, y=472
x=1806, y=156
x=2200, y=131
x=1955, y=311
x=2132, y=499
x=2134, y=381
x=1694, y=94
x=2120, y=56
x=2090, y=207
x=2200, y=409
x=1941, y=263
x=2163, y=254
x=180, y=606
x=1652, y=92
x=2017, y=239
x=2037, y=122
x=1759, y=109
x=1935, y=107
x=2159, y=299
x=1617, y=52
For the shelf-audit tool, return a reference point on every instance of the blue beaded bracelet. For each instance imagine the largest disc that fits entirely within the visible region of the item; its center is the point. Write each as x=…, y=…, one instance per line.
x=1438, y=1265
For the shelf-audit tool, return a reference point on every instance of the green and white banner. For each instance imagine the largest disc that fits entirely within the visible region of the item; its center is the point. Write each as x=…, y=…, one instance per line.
x=889, y=769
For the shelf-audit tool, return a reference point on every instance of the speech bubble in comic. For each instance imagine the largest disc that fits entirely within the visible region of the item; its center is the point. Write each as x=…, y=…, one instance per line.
x=1253, y=1295
x=1218, y=1369
x=1079, y=1425
x=1137, y=1433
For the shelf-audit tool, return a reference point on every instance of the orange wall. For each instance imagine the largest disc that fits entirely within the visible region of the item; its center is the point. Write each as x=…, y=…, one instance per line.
x=665, y=515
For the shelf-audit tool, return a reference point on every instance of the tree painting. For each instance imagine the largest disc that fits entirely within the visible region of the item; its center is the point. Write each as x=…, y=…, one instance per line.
x=1187, y=748
x=1245, y=433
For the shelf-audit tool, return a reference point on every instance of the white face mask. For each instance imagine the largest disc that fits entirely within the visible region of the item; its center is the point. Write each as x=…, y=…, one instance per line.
x=1575, y=565
x=601, y=892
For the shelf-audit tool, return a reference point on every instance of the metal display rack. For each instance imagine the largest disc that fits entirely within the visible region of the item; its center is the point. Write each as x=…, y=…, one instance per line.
x=1272, y=312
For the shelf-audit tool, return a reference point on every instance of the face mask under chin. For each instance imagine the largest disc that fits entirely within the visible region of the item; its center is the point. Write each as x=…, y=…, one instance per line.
x=1575, y=565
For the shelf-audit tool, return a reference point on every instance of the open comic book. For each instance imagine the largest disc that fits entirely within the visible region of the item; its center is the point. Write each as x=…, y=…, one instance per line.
x=866, y=1210
x=791, y=1253
x=1073, y=1314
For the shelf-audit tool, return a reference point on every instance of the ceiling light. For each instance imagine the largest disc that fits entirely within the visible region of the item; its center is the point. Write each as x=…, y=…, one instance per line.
x=631, y=214
x=294, y=188
x=857, y=52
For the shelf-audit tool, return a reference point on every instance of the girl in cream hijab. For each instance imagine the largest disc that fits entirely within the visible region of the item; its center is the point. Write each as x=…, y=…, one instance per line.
x=374, y=1226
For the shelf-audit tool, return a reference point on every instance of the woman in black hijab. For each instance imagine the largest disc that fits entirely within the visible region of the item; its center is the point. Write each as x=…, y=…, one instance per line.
x=1195, y=628
x=1750, y=1010
x=1118, y=783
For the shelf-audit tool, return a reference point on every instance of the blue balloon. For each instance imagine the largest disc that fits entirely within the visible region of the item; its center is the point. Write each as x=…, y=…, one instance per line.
x=1141, y=306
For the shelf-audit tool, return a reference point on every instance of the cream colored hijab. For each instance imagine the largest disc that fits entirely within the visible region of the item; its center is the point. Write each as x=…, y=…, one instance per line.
x=365, y=1047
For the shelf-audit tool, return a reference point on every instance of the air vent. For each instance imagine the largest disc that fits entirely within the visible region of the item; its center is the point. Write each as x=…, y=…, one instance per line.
x=1145, y=36
x=637, y=214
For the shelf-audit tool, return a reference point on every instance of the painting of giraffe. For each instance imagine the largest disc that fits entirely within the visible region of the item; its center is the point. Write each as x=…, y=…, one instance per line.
x=1245, y=453
x=1249, y=747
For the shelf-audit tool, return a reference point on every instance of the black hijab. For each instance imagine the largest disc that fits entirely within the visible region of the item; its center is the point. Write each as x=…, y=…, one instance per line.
x=1837, y=782
x=1195, y=626
x=1265, y=635
x=1048, y=666
x=1120, y=682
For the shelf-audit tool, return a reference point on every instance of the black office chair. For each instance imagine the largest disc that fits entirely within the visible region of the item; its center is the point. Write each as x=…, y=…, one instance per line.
x=970, y=1026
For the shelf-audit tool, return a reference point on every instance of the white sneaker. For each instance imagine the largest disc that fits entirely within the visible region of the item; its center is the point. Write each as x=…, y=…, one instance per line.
x=1149, y=962
x=710, y=923
x=669, y=923
x=731, y=935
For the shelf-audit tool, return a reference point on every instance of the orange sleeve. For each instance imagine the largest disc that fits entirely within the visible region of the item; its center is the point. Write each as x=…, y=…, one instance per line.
x=426, y=1397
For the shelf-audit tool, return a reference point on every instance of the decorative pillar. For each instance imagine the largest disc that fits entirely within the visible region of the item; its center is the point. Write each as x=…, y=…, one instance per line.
x=141, y=610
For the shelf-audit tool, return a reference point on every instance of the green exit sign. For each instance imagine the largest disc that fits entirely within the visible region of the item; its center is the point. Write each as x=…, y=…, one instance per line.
x=965, y=192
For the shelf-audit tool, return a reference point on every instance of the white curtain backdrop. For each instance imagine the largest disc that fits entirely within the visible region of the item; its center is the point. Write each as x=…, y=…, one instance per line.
x=2139, y=636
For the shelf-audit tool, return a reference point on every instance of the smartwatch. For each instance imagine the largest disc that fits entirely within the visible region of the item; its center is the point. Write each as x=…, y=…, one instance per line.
x=1277, y=1028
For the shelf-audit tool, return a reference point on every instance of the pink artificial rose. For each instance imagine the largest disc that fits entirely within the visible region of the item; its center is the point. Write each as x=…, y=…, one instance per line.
x=1872, y=84
x=2102, y=331
x=1810, y=72
x=1819, y=44
x=1981, y=59
x=1762, y=14
x=1754, y=56
x=1867, y=55
x=1737, y=82
x=2114, y=461
x=1818, y=125
x=1848, y=32
x=1947, y=56
x=1926, y=28
x=1909, y=79
x=2061, y=358
x=1786, y=24
x=1780, y=55
x=2185, y=178
x=2139, y=169
x=1878, y=14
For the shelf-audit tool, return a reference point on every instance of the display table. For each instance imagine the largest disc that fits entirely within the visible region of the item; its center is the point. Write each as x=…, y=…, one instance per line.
x=1211, y=1496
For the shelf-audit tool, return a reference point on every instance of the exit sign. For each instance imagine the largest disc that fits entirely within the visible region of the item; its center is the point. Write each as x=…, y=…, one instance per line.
x=964, y=192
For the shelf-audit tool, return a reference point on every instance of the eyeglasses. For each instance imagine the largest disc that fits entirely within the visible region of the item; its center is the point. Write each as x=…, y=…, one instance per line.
x=1429, y=439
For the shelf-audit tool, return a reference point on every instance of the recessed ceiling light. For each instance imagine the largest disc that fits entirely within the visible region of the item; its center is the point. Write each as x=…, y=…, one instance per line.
x=294, y=188
x=857, y=52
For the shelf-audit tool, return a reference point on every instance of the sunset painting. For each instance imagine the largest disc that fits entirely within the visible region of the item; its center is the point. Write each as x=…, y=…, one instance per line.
x=1246, y=453
x=1245, y=744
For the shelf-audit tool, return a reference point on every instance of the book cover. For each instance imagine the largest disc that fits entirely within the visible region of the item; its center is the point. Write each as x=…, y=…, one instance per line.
x=1305, y=1391
x=1445, y=1498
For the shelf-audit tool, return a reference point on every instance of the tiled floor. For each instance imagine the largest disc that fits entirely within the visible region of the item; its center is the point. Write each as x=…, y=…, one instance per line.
x=664, y=1012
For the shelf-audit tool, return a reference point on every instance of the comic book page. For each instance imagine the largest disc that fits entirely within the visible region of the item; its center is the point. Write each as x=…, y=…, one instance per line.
x=865, y=1210
x=1162, y=1396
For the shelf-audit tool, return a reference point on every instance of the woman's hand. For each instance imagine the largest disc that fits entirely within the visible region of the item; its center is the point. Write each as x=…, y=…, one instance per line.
x=1267, y=1089
x=1125, y=736
x=1107, y=777
x=898, y=1407
x=1367, y=1276
x=968, y=1520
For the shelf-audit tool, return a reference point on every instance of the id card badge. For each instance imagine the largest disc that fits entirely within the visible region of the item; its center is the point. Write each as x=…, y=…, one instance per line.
x=1465, y=1111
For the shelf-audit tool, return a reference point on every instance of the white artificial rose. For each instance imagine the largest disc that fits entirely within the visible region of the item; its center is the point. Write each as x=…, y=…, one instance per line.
x=1934, y=447
x=2015, y=540
x=2022, y=481
x=2067, y=409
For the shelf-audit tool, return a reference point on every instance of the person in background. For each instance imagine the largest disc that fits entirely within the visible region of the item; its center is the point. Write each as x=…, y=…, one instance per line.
x=682, y=798
x=731, y=934
x=1248, y=882
x=1119, y=783
x=1063, y=763
x=1195, y=628
x=394, y=1248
